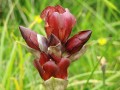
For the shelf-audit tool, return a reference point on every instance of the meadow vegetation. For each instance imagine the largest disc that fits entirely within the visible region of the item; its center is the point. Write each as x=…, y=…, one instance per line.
x=101, y=16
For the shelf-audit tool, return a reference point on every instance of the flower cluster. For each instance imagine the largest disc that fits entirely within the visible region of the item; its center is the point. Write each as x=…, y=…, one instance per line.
x=56, y=51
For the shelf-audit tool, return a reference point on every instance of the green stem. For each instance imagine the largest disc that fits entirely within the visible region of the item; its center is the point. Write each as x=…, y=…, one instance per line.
x=93, y=72
x=104, y=80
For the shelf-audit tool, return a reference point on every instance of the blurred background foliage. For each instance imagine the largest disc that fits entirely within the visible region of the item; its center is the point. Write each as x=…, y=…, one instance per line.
x=101, y=16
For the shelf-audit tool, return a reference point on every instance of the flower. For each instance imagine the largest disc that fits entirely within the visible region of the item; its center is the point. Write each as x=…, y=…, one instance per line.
x=56, y=51
x=37, y=19
x=102, y=41
x=58, y=21
x=48, y=67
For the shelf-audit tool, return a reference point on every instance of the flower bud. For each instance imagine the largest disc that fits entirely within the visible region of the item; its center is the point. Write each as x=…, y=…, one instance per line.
x=75, y=43
x=30, y=37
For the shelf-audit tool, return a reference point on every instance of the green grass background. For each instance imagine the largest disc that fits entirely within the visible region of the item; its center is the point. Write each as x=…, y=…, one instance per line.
x=101, y=16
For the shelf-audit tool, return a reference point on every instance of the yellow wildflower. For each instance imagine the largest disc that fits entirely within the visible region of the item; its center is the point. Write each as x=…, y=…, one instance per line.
x=38, y=19
x=102, y=41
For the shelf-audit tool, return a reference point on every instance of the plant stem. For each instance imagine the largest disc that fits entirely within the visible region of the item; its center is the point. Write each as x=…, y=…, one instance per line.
x=93, y=71
x=104, y=80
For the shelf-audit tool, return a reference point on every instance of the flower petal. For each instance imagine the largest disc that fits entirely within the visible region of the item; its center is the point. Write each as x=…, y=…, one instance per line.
x=48, y=30
x=66, y=23
x=30, y=37
x=38, y=67
x=53, y=21
x=64, y=63
x=63, y=66
x=77, y=55
x=55, y=58
x=55, y=50
x=43, y=43
x=59, y=9
x=43, y=58
x=50, y=69
x=69, y=23
x=53, y=40
x=47, y=11
x=75, y=43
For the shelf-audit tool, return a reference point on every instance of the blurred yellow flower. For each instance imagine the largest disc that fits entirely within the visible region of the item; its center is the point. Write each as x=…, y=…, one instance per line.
x=102, y=41
x=38, y=19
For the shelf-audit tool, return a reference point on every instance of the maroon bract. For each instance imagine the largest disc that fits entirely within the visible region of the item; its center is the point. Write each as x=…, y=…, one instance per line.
x=55, y=53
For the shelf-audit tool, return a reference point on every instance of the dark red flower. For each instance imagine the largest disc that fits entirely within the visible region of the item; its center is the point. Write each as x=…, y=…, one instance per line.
x=47, y=67
x=59, y=21
x=75, y=43
x=57, y=50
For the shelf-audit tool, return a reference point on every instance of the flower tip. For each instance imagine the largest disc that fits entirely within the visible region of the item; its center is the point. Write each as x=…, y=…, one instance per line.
x=85, y=35
x=89, y=32
x=21, y=28
x=23, y=31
